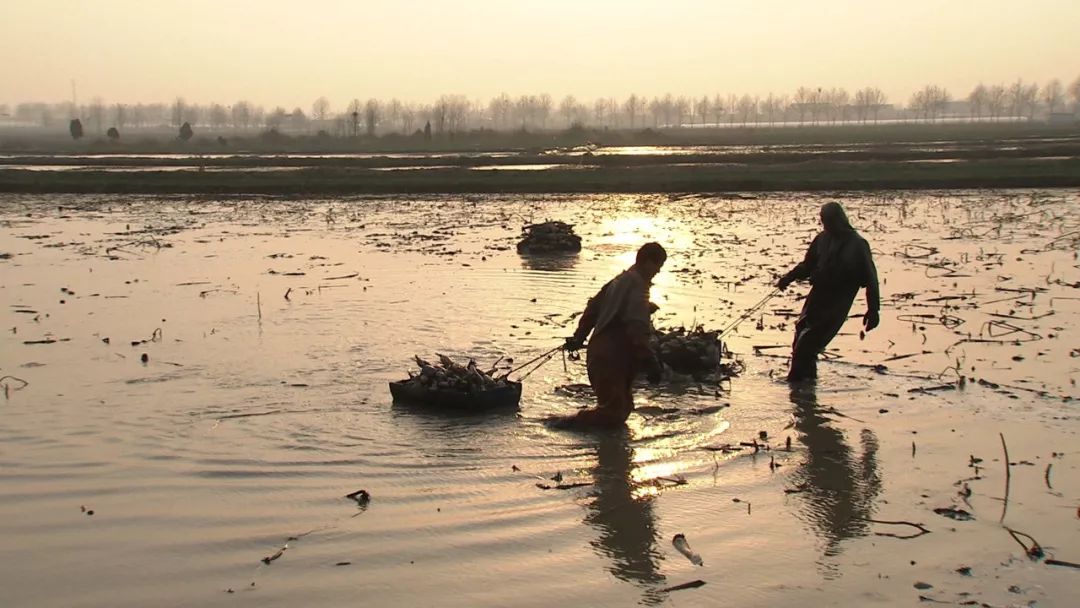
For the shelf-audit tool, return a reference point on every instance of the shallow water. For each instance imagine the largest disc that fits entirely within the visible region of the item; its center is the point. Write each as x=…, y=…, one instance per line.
x=263, y=402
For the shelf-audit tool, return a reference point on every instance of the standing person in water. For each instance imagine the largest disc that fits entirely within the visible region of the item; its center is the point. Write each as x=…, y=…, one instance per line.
x=618, y=318
x=837, y=264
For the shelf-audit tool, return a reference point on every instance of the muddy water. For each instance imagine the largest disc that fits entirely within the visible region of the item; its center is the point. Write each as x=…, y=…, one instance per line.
x=270, y=328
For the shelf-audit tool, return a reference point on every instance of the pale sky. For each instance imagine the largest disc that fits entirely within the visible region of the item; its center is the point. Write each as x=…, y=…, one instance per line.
x=289, y=52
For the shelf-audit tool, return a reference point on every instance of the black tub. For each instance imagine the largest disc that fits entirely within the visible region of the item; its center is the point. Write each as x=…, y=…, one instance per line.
x=501, y=396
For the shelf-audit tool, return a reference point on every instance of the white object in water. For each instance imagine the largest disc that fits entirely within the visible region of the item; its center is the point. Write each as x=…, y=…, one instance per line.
x=679, y=541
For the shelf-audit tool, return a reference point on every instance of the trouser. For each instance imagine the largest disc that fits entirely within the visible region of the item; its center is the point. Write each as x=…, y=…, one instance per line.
x=823, y=314
x=612, y=367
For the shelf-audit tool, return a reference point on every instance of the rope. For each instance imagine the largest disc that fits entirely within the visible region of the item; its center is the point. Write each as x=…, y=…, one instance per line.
x=749, y=313
x=548, y=354
x=549, y=357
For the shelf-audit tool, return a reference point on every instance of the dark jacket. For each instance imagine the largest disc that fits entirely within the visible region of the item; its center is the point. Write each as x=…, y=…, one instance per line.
x=840, y=260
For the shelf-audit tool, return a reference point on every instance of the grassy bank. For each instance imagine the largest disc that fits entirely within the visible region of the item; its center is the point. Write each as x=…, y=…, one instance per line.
x=55, y=140
x=747, y=155
x=803, y=176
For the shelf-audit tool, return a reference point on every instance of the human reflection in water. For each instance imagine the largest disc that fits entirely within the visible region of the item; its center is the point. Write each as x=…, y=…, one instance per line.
x=549, y=262
x=839, y=487
x=624, y=520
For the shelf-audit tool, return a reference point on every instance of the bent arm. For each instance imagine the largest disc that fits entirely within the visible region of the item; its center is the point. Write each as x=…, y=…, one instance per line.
x=873, y=294
x=636, y=315
x=640, y=334
x=803, y=269
x=588, y=318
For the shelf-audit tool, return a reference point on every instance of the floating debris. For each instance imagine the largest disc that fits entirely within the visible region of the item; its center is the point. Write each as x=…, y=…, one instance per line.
x=679, y=541
x=690, y=585
x=954, y=513
x=695, y=352
x=270, y=558
x=360, y=496
x=449, y=375
x=549, y=237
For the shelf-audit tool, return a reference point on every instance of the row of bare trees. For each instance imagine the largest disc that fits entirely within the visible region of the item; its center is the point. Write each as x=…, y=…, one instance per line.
x=1021, y=98
x=457, y=113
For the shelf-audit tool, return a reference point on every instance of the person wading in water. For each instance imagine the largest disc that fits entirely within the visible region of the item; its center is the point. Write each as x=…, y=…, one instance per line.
x=837, y=264
x=618, y=318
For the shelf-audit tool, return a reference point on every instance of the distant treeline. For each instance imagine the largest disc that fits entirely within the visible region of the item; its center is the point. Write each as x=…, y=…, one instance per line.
x=457, y=114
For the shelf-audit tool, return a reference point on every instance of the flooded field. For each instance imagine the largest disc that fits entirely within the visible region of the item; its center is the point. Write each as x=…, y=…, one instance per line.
x=192, y=386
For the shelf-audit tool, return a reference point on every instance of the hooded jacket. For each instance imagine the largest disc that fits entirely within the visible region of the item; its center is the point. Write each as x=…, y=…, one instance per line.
x=839, y=258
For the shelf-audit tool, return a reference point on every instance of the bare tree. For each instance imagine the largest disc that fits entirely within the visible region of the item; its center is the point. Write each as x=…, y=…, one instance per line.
x=320, y=109
x=543, y=108
x=837, y=101
x=97, y=114
x=680, y=107
x=1022, y=99
x=523, y=107
x=633, y=107
x=818, y=104
x=703, y=107
x=241, y=114
x=1017, y=92
x=193, y=113
x=276, y=118
x=930, y=102
x=408, y=117
x=500, y=109
x=731, y=104
x=862, y=106
x=1031, y=99
x=877, y=101
x=120, y=116
x=977, y=100
x=371, y=116
x=179, y=111
x=667, y=109
x=218, y=116
x=771, y=107
x=802, y=100
x=600, y=112
x=747, y=107
x=567, y=107
x=996, y=100
x=718, y=108
x=1074, y=92
x=297, y=120
x=354, y=116
x=258, y=115
x=394, y=110
x=655, y=109
x=134, y=115
x=1053, y=95
x=449, y=113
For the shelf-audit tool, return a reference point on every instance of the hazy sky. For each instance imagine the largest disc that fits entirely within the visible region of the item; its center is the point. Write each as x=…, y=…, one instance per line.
x=289, y=52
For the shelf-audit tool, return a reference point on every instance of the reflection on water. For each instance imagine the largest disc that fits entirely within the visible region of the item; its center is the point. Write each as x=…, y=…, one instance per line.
x=625, y=523
x=840, y=487
x=551, y=262
x=266, y=401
